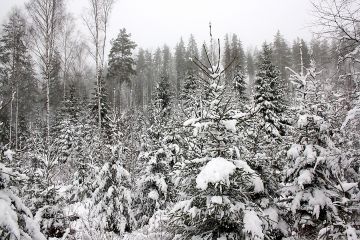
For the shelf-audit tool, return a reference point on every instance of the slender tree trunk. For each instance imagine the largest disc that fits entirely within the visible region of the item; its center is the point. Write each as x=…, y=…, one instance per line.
x=17, y=117
x=13, y=79
x=65, y=68
x=114, y=101
x=48, y=112
x=11, y=118
x=130, y=97
x=47, y=81
x=47, y=17
x=98, y=80
x=100, y=14
x=301, y=69
x=301, y=61
x=119, y=97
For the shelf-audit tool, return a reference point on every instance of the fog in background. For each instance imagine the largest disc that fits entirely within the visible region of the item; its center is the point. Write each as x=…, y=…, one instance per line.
x=153, y=23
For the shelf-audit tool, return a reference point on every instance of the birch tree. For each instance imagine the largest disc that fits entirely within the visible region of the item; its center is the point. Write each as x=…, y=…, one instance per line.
x=46, y=16
x=68, y=48
x=97, y=22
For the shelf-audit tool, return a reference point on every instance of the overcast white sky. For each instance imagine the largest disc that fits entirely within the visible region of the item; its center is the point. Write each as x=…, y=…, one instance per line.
x=155, y=22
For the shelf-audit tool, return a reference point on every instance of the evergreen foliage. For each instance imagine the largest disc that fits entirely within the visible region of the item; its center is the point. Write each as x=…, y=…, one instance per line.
x=269, y=94
x=317, y=190
x=239, y=85
x=121, y=62
x=17, y=79
x=158, y=154
x=17, y=221
x=259, y=146
x=216, y=186
x=111, y=200
x=105, y=109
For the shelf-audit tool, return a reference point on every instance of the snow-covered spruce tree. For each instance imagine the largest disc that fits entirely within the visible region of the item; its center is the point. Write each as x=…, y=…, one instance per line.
x=162, y=98
x=105, y=109
x=154, y=184
x=16, y=221
x=87, y=153
x=269, y=95
x=67, y=130
x=264, y=133
x=42, y=191
x=239, y=85
x=216, y=188
x=111, y=211
x=132, y=124
x=189, y=93
x=158, y=154
x=323, y=204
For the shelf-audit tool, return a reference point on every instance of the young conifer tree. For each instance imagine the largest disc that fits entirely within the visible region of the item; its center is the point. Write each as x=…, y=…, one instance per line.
x=17, y=221
x=239, y=85
x=217, y=188
x=321, y=200
x=269, y=95
x=102, y=98
x=157, y=153
x=111, y=201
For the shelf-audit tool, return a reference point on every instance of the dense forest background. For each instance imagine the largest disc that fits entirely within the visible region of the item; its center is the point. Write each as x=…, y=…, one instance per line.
x=208, y=140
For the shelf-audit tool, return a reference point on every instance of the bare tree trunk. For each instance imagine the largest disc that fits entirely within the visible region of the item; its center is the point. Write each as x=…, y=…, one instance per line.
x=47, y=17
x=119, y=94
x=95, y=12
x=100, y=11
x=130, y=98
x=114, y=101
x=301, y=61
x=69, y=48
x=11, y=118
x=48, y=113
x=65, y=68
x=17, y=118
x=96, y=16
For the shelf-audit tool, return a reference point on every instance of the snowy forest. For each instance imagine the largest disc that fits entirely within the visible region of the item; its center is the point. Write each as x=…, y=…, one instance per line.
x=207, y=140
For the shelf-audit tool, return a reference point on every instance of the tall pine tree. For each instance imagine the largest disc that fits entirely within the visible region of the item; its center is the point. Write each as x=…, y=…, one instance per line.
x=121, y=64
